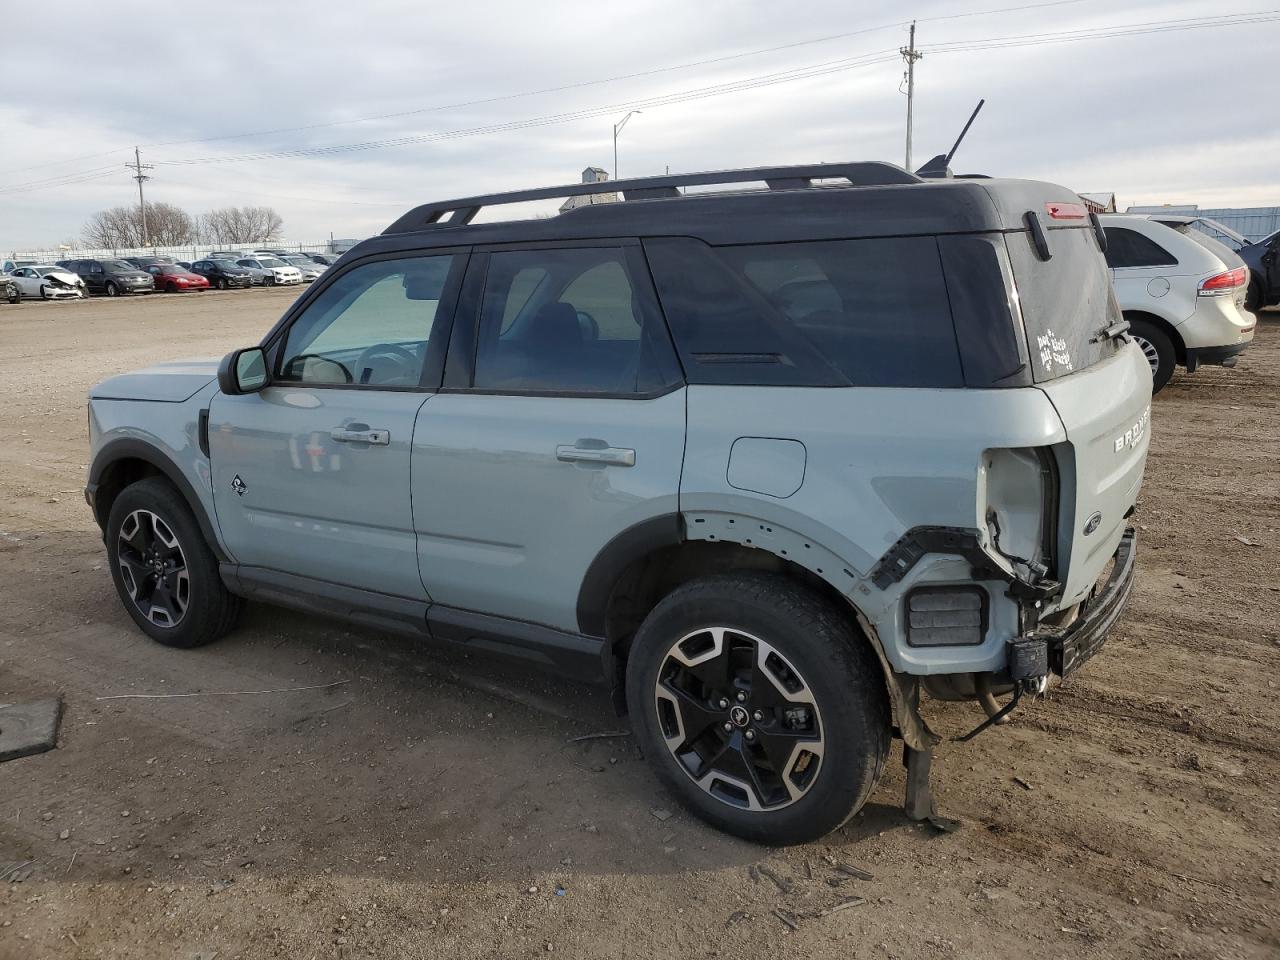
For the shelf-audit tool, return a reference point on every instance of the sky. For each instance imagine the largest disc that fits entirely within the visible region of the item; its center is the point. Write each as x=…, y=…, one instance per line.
x=501, y=95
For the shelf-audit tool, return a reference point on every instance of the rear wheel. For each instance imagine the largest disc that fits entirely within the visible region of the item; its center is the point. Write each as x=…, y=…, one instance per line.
x=163, y=569
x=759, y=706
x=1157, y=348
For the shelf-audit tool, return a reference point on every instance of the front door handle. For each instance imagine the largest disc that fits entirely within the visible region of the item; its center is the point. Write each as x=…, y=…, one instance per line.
x=376, y=437
x=580, y=453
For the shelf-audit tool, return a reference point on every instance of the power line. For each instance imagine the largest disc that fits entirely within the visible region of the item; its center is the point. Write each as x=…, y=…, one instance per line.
x=613, y=79
x=565, y=87
x=751, y=83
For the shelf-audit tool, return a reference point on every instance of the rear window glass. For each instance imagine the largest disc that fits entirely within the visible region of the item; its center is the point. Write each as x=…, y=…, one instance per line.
x=827, y=313
x=1214, y=246
x=1066, y=301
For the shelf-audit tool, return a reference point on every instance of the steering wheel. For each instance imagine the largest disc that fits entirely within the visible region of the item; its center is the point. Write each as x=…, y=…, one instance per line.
x=392, y=351
x=295, y=362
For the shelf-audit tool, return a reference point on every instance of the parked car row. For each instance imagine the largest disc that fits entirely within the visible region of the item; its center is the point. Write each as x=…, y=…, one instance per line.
x=220, y=269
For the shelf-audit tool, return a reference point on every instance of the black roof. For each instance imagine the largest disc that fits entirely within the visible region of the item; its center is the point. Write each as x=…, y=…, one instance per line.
x=796, y=203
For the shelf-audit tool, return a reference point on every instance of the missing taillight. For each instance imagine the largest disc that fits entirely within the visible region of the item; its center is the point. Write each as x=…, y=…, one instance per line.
x=1224, y=284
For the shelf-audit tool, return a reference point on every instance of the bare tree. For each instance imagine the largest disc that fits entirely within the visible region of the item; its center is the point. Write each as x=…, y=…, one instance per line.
x=232, y=225
x=121, y=227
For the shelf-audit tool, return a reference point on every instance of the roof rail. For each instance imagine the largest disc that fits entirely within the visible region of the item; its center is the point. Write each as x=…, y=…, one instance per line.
x=463, y=211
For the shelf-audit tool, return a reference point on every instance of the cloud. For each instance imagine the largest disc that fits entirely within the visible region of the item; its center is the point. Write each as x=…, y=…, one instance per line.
x=1166, y=117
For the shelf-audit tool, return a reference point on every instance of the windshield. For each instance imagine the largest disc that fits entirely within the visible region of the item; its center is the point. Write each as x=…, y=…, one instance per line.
x=45, y=271
x=1217, y=247
x=226, y=264
x=272, y=262
x=117, y=265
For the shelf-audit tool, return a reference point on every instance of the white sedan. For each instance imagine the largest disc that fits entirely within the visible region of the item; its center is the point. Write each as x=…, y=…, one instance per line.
x=48, y=283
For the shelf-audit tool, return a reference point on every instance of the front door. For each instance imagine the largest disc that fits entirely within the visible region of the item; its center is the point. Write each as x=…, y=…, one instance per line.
x=311, y=475
x=561, y=426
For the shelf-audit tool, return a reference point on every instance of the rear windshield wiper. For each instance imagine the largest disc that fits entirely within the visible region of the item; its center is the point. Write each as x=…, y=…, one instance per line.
x=1117, y=329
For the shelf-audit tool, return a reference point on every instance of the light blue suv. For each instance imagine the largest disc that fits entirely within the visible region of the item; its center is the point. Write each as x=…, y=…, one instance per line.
x=770, y=459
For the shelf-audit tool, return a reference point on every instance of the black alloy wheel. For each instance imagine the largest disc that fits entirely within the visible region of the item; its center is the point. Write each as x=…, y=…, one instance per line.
x=739, y=718
x=153, y=568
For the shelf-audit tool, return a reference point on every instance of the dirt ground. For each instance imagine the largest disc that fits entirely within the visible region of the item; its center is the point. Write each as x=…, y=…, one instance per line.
x=433, y=805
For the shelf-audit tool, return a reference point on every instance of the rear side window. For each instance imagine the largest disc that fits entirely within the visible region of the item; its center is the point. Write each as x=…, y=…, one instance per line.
x=570, y=320
x=1129, y=248
x=868, y=312
x=1066, y=301
x=1215, y=246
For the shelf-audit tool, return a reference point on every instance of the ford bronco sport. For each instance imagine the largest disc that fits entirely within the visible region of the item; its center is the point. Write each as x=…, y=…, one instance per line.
x=770, y=459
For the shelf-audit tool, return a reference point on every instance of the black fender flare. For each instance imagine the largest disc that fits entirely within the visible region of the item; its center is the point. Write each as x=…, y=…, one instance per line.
x=614, y=557
x=129, y=448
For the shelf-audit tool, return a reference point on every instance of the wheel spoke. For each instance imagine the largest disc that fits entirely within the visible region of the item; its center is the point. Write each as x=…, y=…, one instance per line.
x=695, y=714
x=778, y=745
x=153, y=568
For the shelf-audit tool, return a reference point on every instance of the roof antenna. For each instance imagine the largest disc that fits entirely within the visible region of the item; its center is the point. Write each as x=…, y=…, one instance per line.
x=940, y=166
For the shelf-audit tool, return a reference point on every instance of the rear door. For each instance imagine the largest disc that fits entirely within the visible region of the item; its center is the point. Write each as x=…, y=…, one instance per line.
x=561, y=426
x=1100, y=387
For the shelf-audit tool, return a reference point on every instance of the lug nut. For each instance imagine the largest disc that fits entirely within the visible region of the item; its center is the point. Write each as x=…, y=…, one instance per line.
x=728, y=727
x=750, y=735
x=741, y=696
x=757, y=716
x=724, y=704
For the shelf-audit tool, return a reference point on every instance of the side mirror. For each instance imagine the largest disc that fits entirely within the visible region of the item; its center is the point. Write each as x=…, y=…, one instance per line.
x=243, y=371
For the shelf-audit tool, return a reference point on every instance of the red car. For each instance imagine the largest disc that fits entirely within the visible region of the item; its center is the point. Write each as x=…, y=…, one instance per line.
x=171, y=278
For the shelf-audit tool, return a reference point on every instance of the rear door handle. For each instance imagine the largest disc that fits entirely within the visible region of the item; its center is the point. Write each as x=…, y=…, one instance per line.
x=617, y=456
x=376, y=437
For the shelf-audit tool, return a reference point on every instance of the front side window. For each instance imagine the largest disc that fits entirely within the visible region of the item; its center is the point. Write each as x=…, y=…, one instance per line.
x=569, y=320
x=371, y=327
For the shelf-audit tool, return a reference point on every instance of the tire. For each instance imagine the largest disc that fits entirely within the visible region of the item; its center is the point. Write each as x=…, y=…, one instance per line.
x=171, y=288
x=1253, y=298
x=837, y=706
x=44, y=291
x=148, y=520
x=222, y=283
x=111, y=290
x=1158, y=349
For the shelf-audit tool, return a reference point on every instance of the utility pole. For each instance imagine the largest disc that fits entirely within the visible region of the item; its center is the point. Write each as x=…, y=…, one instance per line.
x=137, y=167
x=910, y=55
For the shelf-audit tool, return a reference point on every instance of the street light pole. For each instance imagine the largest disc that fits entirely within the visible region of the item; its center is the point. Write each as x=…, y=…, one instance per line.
x=617, y=129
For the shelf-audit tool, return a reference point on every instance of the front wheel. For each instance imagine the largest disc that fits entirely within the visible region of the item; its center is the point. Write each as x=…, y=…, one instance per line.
x=44, y=292
x=1157, y=348
x=759, y=706
x=112, y=290
x=165, y=573
x=222, y=283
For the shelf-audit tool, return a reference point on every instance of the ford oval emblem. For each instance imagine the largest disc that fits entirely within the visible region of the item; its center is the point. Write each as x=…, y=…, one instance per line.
x=1093, y=523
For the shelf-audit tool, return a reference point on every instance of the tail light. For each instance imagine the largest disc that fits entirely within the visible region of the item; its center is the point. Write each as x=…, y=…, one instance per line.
x=1065, y=211
x=1224, y=283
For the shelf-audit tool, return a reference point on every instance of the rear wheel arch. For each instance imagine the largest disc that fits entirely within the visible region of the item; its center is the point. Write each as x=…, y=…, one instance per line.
x=124, y=462
x=646, y=563
x=1165, y=327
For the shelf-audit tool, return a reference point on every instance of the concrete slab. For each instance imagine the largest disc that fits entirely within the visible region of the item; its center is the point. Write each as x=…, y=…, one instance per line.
x=29, y=728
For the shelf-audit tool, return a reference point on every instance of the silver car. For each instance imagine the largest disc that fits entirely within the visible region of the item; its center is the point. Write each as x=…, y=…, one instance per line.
x=48, y=282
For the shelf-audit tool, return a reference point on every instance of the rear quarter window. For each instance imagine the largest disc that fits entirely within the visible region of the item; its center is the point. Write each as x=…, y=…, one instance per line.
x=870, y=312
x=1066, y=301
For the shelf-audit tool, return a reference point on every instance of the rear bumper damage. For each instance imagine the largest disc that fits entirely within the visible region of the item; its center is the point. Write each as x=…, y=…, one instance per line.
x=1070, y=647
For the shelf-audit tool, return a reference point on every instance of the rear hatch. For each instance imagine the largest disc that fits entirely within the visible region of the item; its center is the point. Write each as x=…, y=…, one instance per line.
x=1100, y=386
